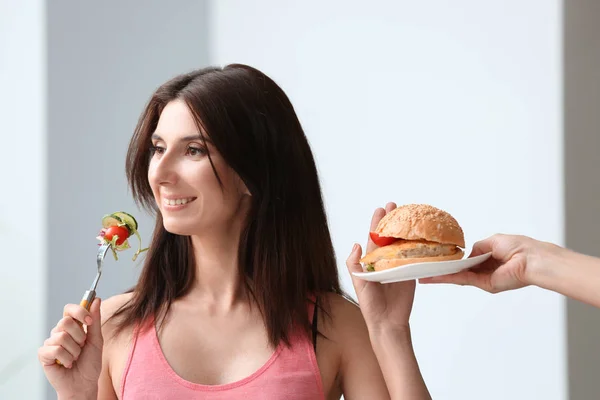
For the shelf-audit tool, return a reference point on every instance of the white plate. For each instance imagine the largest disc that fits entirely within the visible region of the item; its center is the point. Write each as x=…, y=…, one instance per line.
x=421, y=270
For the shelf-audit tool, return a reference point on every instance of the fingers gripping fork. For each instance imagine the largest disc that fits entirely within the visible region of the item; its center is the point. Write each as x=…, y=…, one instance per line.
x=90, y=295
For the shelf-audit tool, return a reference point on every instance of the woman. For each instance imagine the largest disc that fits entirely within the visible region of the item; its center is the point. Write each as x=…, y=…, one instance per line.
x=225, y=304
x=518, y=261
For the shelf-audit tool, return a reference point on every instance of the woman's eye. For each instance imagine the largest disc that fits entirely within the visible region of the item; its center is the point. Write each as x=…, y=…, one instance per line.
x=195, y=151
x=156, y=150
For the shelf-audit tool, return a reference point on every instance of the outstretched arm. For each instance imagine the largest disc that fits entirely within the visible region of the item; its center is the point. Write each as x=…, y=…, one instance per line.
x=519, y=261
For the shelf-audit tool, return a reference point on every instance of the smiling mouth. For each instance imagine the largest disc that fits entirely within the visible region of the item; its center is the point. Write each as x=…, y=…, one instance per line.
x=178, y=202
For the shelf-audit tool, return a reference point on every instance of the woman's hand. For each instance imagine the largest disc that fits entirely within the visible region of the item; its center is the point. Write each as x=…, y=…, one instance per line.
x=384, y=306
x=509, y=267
x=386, y=309
x=79, y=352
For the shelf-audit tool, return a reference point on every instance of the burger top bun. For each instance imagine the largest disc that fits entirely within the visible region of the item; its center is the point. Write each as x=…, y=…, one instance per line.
x=421, y=222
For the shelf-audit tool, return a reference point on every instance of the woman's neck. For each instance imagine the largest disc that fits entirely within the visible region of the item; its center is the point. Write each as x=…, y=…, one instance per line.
x=218, y=282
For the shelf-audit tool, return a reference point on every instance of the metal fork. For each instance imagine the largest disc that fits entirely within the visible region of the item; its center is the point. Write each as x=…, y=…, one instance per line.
x=90, y=295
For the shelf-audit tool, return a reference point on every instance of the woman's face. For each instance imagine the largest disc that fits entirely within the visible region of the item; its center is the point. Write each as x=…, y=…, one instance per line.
x=182, y=179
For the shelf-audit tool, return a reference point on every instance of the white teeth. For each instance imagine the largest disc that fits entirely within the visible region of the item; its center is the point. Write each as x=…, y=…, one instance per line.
x=177, y=202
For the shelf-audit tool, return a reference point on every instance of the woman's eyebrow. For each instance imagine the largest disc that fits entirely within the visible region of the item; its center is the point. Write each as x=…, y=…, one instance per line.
x=188, y=138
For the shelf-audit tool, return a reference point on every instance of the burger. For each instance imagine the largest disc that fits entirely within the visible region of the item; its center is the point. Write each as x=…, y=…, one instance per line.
x=414, y=233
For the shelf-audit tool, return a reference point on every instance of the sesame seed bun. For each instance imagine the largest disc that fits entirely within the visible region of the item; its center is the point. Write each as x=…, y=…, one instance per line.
x=421, y=222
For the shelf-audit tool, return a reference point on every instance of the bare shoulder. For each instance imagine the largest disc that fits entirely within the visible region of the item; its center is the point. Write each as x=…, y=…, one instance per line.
x=109, y=325
x=112, y=305
x=116, y=346
x=345, y=323
x=345, y=313
x=359, y=373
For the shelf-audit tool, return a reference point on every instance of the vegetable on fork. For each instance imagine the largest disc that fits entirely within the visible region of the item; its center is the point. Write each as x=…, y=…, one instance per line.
x=116, y=229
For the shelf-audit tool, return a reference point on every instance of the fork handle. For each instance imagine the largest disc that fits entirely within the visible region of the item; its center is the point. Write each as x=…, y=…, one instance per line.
x=86, y=302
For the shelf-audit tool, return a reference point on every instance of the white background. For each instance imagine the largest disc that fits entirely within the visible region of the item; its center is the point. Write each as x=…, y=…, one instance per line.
x=456, y=104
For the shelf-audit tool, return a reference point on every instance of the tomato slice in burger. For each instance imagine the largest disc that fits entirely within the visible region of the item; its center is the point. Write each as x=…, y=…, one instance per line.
x=381, y=240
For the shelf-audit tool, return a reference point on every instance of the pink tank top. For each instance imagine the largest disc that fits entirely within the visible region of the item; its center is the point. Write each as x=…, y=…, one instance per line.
x=291, y=373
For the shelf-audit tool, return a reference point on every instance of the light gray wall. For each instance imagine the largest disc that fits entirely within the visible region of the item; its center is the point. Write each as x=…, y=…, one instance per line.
x=104, y=61
x=22, y=196
x=582, y=182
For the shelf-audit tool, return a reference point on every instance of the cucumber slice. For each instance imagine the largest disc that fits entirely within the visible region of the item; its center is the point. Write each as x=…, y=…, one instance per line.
x=111, y=220
x=127, y=219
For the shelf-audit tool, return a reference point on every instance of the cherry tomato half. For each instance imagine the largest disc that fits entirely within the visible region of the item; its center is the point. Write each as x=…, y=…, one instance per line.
x=120, y=231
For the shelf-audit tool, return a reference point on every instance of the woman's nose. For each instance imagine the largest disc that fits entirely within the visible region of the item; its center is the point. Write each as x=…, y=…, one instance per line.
x=165, y=171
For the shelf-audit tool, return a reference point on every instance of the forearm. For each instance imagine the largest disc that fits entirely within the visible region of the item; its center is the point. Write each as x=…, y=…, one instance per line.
x=398, y=364
x=569, y=273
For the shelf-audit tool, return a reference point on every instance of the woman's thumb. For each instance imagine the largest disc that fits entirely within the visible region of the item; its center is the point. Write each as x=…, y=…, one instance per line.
x=94, y=331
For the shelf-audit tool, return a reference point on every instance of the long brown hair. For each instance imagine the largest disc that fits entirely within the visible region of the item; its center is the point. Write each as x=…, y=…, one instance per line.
x=285, y=249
